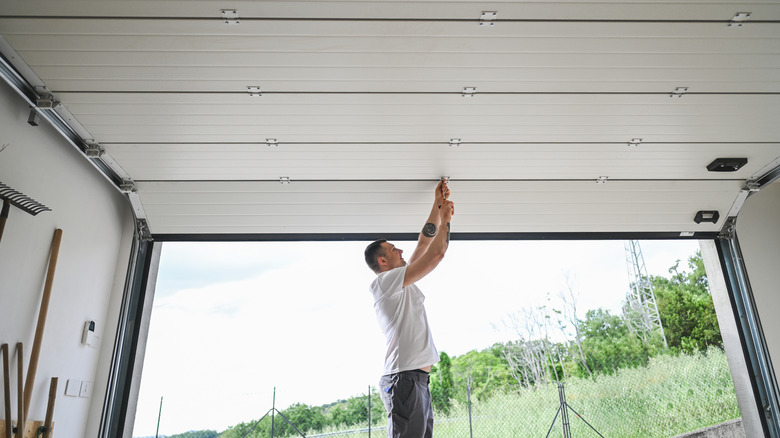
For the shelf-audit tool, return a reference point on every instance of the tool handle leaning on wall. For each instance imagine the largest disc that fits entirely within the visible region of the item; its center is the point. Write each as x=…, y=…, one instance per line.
x=50, y=408
x=20, y=390
x=7, y=392
x=36, y=348
x=4, y=216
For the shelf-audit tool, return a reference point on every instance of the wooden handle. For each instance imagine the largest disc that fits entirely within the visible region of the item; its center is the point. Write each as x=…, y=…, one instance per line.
x=9, y=431
x=4, y=216
x=20, y=390
x=36, y=349
x=50, y=407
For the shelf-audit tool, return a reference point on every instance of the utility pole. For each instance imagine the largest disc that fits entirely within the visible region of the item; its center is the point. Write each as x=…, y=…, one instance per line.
x=641, y=310
x=159, y=414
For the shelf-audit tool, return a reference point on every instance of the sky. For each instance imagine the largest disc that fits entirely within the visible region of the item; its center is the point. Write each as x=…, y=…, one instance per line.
x=232, y=321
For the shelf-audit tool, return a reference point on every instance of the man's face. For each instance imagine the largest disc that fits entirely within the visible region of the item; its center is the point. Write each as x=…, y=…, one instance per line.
x=393, y=255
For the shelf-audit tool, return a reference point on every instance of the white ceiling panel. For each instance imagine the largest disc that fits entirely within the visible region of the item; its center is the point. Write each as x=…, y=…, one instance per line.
x=376, y=207
x=418, y=162
x=400, y=9
x=358, y=103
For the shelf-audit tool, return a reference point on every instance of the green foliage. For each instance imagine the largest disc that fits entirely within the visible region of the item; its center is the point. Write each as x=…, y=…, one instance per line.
x=661, y=394
x=609, y=344
x=196, y=434
x=686, y=308
x=240, y=430
x=441, y=384
x=486, y=370
x=304, y=417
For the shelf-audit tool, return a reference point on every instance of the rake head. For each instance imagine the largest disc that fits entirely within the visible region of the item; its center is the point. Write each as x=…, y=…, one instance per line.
x=21, y=201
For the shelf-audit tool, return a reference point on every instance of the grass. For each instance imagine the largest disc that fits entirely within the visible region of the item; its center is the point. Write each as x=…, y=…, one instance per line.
x=671, y=396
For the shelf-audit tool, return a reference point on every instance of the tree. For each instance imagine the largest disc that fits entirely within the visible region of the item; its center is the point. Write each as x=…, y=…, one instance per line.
x=196, y=434
x=533, y=358
x=442, y=384
x=686, y=308
x=304, y=417
x=569, y=299
x=609, y=344
x=485, y=370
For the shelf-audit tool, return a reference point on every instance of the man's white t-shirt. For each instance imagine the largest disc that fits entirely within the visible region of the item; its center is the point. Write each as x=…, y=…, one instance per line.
x=400, y=312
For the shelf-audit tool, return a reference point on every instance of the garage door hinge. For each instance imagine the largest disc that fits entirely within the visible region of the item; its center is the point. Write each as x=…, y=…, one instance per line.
x=678, y=92
x=127, y=186
x=602, y=180
x=284, y=179
x=739, y=19
x=230, y=16
x=488, y=17
x=254, y=91
x=47, y=102
x=93, y=150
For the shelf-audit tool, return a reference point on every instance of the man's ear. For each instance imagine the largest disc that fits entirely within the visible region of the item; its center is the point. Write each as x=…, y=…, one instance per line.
x=382, y=261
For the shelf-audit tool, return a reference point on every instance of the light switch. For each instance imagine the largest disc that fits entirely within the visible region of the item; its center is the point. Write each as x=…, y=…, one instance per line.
x=73, y=388
x=86, y=389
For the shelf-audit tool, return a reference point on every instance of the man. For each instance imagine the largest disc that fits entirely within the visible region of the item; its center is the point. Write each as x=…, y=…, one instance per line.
x=400, y=311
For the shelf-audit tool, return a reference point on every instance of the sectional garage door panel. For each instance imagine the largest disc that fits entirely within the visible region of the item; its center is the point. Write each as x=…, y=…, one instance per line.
x=203, y=116
x=401, y=207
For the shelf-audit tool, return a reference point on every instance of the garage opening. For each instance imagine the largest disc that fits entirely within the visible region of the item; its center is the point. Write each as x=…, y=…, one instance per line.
x=536, y=338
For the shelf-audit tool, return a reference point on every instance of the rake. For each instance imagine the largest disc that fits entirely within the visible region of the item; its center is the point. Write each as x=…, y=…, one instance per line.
x=19, y=200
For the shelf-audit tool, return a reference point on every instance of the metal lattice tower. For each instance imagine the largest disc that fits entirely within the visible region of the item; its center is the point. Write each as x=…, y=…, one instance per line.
x=641, y=309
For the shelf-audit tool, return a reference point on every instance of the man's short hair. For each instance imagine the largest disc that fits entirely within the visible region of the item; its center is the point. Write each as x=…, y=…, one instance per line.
x=373, y=251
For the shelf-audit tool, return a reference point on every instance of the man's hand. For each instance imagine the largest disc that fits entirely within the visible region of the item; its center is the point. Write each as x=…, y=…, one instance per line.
x=447, y=211
x=442, y=193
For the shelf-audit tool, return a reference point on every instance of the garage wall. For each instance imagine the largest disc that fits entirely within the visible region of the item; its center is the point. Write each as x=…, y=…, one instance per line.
x=97, y=229
x=758, y=231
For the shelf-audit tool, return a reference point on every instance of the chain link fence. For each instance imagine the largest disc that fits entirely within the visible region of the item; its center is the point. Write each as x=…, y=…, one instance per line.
x=672, y=395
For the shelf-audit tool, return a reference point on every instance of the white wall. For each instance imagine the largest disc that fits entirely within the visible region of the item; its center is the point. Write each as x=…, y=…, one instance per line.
x=758, y=231
x=97, y=231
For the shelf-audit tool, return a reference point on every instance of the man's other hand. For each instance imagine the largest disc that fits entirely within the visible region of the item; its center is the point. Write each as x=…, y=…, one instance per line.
x=442, y=192
x=447, y=211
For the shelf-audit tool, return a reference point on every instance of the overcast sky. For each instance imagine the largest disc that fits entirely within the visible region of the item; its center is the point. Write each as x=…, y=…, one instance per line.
x=231, y=321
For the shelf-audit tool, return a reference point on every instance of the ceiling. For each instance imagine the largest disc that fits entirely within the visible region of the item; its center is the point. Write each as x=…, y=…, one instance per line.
x=548, y=117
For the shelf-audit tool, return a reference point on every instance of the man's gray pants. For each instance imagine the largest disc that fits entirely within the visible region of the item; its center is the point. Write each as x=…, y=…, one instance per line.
x=407, y=400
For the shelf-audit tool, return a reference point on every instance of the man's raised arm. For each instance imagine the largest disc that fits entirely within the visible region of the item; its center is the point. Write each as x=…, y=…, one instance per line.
x=436, y=248
x=432, y=225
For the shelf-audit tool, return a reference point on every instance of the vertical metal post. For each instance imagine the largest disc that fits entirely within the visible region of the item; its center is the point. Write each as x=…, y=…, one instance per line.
x=756, y=353
x=159, y=414
x=369, y=411
x=468, y=395
x=273, y=412
x=564, y=411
